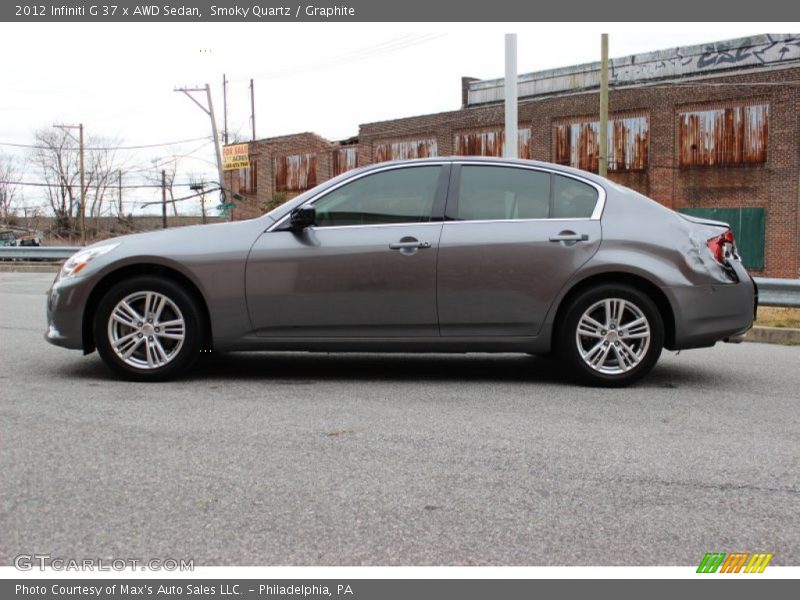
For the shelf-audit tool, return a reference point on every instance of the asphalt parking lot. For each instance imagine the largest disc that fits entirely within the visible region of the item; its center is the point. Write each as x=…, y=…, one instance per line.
x=291, y=458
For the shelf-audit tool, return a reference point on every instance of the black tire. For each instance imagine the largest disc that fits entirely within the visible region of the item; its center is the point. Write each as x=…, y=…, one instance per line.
x=627, y=358
x=178, y=355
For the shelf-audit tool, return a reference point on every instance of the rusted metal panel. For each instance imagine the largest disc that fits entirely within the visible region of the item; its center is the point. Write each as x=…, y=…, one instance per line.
x=405, y=150
x=577, y=144
x=490, y=143
x=248, y=178
x=724, y=136
x=344, y=159
x=295, y=173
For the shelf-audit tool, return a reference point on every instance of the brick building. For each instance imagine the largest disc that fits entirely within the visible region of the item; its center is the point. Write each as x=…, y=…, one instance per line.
x=710, y=130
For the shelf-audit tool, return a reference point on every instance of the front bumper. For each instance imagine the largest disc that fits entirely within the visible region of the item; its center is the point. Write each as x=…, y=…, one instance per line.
x=66, y=301
x=706, y=314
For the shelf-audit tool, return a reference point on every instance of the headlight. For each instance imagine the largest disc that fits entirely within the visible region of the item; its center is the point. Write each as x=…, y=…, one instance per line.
x=78, y=261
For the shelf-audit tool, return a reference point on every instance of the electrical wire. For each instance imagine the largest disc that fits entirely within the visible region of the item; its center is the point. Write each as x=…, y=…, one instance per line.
x=101, y=148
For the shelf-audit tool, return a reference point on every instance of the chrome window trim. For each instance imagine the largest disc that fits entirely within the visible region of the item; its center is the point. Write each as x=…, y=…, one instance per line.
x=538, y=220
x=597, y=213
x=404, y=224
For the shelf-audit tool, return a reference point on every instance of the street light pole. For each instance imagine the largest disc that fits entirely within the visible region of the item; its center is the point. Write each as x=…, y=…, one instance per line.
x=510, y=92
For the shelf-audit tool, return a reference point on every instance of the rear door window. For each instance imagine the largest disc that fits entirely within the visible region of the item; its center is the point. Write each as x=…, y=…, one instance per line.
x=502, y=193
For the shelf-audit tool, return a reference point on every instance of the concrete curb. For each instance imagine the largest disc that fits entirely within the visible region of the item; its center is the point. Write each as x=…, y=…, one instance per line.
x=773, y=335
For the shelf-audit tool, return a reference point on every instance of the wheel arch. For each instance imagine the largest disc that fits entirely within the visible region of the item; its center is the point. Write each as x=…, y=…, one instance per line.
x=110, y=279
x=620, y=277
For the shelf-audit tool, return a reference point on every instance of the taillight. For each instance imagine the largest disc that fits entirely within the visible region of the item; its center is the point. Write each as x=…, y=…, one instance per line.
x=722, y=247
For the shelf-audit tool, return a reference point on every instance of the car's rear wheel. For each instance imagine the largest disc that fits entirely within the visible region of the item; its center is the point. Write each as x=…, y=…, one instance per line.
x=611, y=335
x=148, y=328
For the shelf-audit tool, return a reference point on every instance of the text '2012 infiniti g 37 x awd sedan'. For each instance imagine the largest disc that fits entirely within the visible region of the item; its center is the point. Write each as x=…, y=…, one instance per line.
x=435, y=255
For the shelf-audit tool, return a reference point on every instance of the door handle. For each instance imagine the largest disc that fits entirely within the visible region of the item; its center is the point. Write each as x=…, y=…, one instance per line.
x=570, y=237
x=409, y=245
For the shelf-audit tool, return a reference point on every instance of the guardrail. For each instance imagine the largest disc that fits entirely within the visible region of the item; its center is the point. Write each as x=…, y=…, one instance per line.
x=778, y=292
x=42, y=253
x=771, y=292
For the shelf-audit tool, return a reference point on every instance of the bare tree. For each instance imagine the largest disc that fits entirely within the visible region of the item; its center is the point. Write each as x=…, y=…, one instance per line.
x=103, y=166
x=57, y=158
x=9, y=189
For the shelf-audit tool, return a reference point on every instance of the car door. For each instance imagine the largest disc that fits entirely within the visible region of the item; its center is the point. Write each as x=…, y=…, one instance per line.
x=367, y=268
x=513, y=236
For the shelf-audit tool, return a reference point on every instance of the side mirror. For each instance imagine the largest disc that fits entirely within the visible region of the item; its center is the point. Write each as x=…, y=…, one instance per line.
x=302, y=217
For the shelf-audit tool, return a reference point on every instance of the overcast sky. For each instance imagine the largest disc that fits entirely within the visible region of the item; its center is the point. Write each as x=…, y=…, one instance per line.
x=118, y=78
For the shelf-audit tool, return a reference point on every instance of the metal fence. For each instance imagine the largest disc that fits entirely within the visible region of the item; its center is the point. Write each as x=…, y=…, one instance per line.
x=37, y=253
x=771, y=292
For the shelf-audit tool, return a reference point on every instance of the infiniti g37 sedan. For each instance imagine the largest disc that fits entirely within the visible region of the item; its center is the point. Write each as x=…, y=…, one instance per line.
x=435, y=255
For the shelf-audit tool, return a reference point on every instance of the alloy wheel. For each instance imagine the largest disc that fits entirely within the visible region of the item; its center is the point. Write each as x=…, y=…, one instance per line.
x=613, y=336
x=146, y=330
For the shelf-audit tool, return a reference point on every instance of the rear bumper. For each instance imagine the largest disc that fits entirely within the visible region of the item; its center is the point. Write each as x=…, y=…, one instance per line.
x=706, y=314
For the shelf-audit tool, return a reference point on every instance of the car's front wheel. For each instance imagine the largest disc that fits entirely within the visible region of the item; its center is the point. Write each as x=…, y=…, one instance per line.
x=147, y=328
x=611, y=335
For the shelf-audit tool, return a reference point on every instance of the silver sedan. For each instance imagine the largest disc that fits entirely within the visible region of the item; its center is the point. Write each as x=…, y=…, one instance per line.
x=436, y=255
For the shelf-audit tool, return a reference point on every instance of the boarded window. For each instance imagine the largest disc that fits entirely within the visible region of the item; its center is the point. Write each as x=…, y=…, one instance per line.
x=491, y=143
x=248, y=178
x=344, y=159
x=748, y=225
x=295, y=173
x=577, y=144
x=725, y=136
x=405, y=150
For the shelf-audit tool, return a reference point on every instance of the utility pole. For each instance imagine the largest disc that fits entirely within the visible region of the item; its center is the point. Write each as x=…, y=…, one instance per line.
x=163, y=199
x=200, y=187
x=83, y=189
x=210, y=112
x=119, y=188
x=603, y=141
x=253, y=108
x=82, y=214
x=510, y=147
x=225, y=109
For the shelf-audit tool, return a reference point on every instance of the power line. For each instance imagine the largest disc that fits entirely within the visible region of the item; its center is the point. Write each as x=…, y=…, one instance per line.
x=99, y=148
x=60, y=185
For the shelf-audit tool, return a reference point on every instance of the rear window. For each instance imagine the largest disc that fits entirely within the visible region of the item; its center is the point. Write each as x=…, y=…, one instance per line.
x=572, y=199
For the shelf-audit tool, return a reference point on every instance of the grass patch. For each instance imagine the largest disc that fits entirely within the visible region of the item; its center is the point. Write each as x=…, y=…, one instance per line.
x=769, y=316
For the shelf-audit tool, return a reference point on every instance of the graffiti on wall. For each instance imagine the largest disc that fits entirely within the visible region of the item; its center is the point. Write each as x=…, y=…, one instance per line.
x=577, y=144
x=674, y=63
x=724, y=136
x=714, y=57
x=295, y=173
x=491, y=143
x=405, y=150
